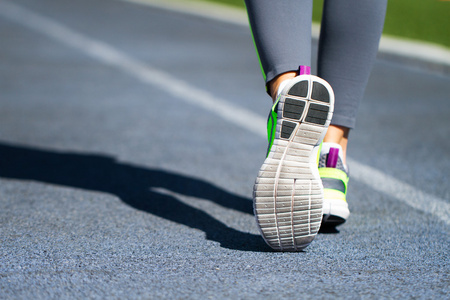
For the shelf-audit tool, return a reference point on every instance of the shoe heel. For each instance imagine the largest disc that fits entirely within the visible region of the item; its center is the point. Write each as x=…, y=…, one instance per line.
x=288, y=193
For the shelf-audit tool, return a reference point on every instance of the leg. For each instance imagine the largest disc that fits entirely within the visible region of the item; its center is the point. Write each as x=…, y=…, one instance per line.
x=348, y=45
x=288, y=193
x=274, y=84
x=282, y=35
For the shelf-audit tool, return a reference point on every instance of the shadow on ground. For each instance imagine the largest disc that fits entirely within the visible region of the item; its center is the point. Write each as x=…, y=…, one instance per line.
x=135, y=186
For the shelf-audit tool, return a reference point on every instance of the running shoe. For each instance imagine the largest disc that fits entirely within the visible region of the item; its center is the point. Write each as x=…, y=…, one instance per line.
x=288, y=194
x=334, y=175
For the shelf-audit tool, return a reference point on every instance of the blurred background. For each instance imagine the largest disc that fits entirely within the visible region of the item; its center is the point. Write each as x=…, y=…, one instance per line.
x=423, y=20
x=131, y=133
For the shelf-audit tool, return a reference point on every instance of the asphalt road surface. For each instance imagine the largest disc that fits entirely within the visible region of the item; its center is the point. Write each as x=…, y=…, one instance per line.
x=130, y=138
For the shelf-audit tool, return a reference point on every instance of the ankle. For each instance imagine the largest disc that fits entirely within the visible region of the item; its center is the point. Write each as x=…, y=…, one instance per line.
x=338, y=135
x=275, y=83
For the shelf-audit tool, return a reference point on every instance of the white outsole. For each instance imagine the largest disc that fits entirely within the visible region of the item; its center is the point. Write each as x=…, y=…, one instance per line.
x=336, y=208
x=288, y=192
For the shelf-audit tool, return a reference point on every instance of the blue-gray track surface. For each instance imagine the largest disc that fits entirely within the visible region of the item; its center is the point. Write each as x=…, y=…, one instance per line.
x=111, y=187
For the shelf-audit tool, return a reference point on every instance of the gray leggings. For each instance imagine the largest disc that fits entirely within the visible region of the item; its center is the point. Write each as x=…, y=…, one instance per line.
x=348, y=44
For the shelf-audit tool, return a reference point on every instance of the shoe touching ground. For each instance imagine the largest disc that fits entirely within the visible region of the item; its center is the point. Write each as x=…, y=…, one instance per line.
x=288, y=194
x=334, y=177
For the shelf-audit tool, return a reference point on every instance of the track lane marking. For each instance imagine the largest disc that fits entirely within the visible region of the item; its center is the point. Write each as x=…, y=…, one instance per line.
x=182, y=90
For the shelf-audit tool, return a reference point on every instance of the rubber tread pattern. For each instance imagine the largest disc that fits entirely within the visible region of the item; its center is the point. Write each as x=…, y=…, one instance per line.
x=317, y=114
x=293, y=109
x=286, y=129
x=300, y=89
x=320, y=93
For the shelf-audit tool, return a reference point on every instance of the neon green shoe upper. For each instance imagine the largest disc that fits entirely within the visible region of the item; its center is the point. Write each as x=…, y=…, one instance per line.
x=335, y=179
x=272, y=125
x=335, y=183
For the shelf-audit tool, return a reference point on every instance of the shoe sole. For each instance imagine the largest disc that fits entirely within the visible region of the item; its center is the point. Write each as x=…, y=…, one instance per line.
x=335, y=212
x=288, y=193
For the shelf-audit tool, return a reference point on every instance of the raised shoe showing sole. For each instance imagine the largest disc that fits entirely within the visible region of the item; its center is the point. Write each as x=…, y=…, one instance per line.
x=288, y=193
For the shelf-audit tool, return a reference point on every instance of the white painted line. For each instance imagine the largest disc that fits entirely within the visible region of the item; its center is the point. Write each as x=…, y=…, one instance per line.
x=209, y=10
x=145, y=73
x=416, y=50
x=246, y=119
x=399, y=190
x=389, y=45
